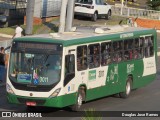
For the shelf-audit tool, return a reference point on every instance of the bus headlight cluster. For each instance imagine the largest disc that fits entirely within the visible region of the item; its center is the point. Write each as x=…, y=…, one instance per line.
x=9, y=89
x=55, y=93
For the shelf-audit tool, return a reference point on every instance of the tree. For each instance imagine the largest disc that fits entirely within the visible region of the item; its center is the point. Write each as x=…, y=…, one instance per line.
x=154, y=4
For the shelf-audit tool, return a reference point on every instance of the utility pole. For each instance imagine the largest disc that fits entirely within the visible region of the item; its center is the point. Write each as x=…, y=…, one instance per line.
x=70, y=15
x=29, y=16
x=122, y=7
x=63, y=16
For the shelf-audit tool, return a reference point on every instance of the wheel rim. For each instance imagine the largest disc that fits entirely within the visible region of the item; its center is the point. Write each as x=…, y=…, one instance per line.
x=79, y=100
x=128, y=88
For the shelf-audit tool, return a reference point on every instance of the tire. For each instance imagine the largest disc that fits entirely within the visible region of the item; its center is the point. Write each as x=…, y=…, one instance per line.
x=94, y=17
x=108, y=16
x=79, y=100
x=127, y=91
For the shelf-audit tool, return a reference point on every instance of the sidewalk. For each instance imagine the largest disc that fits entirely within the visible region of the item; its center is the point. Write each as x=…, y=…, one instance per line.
x=5, y=36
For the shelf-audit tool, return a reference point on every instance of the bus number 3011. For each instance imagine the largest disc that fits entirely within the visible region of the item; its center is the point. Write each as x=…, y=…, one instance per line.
x=101, y=74
x=43, y=79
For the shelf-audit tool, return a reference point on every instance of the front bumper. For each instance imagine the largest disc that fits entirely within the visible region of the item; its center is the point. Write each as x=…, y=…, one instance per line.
x=83, y=14
x=58, y=102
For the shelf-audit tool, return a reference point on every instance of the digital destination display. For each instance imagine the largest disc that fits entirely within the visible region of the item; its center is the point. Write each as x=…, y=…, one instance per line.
x=36, y=46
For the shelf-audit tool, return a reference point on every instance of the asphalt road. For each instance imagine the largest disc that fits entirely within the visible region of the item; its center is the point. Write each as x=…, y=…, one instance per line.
x=143, y=99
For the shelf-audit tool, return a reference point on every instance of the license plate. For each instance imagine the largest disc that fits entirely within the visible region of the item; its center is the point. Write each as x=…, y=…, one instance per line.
x=31, y=103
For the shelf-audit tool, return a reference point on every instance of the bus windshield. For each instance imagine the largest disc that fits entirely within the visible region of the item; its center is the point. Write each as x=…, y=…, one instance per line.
x=36, y=68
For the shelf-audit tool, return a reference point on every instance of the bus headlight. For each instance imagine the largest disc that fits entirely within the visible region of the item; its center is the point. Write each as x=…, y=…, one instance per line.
x=9, y=89
x=55, y=93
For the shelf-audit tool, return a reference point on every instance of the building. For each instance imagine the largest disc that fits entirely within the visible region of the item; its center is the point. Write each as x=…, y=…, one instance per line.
x=15, y=10
x=12, y=12
x=45, y=10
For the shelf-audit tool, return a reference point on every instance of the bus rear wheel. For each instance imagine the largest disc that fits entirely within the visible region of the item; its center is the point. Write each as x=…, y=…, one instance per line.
x=127, y=91
x=79, y=100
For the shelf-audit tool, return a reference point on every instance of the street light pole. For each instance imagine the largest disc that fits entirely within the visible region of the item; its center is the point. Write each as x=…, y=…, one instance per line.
x=29, y=17
x=70, y=15
x=122, y=7
x=63, y=16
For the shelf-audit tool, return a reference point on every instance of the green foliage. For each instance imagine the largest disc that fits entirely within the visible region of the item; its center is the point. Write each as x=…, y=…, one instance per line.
x=8, y=30
x=91, y=114
x=153, y=4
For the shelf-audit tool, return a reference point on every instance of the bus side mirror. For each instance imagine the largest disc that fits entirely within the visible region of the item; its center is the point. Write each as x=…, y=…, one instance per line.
x=68, y=78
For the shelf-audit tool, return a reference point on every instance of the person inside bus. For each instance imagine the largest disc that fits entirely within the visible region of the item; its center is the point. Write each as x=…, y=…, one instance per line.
x=105, y=55
x=95, y=58
x=119, y=57
x=116, y=46
x=126, y=55
x=136, y=44
x=150, y=42
x=115, y=57
x=135, y=54
x=130, y=54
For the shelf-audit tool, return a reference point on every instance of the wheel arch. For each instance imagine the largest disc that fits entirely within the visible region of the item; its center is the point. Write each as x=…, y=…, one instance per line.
x=96, y=11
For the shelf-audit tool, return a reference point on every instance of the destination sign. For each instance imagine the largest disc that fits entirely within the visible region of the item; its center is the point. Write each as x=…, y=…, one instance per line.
x=37, y=46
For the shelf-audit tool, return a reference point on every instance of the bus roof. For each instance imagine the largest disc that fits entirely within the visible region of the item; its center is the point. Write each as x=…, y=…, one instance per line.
x=87, y=35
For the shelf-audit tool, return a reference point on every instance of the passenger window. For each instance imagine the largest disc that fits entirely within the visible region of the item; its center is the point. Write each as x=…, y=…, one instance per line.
x=117, y=46
x=128, y=49
x=138, y=51
x=148, y=48
x=105, y=53
x=117, y=51
x=94, y=55
x=82, y=58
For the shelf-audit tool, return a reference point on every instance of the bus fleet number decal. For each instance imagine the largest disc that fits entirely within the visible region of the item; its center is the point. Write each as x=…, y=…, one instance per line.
x=43, y=79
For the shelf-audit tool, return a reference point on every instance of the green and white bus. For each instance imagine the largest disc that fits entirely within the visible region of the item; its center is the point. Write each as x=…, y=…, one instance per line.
x=67, y=69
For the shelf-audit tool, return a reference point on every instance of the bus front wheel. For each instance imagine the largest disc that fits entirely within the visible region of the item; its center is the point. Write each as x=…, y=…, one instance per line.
x=79, y=101
x=127, y=91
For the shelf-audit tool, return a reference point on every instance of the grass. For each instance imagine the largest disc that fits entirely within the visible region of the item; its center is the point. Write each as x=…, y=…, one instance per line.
x=8, y=31
x=91, y=114
x=11, y=30
x=53, y=25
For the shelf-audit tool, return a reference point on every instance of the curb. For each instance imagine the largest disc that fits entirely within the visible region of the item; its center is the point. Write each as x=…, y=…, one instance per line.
x=6, y=36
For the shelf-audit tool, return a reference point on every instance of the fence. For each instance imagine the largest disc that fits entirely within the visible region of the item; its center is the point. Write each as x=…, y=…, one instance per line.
x=134, y=12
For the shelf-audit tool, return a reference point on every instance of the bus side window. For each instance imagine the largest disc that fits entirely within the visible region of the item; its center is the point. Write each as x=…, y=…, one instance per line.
x=82, y=58
x=105, y=53
x=118, y=51
x=148, y=48
x=94, y=55
x=69, y=68
x=128, y=47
